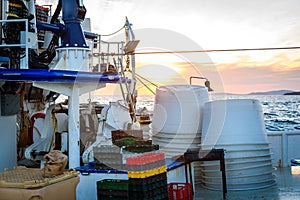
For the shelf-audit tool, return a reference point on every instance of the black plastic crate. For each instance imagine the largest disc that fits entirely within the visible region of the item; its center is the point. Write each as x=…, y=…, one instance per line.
x=154, y=187
x=112, y=189
x=112, y=193
x=149, y=182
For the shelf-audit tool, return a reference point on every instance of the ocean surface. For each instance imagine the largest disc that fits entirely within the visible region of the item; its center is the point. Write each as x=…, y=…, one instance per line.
x=281, y=112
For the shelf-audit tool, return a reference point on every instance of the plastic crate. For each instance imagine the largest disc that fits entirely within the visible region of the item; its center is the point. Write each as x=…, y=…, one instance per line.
x=130, y=140
x=29, y=183
x=154, y=187
x=108, y=157
x=150, y=183
x=112, y=184
x=147, y=166
x=119, y=134
x=180, y=191
x=141, y=148
x=145, y=158
x=112, y=189
x=112, y=193
x=147, y=173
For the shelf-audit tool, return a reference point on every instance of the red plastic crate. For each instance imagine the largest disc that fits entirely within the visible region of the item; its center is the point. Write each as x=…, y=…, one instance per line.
x=145, y=158
x=180, y=191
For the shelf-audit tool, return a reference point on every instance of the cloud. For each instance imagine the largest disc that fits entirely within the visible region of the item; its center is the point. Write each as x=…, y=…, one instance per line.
x=280, y=72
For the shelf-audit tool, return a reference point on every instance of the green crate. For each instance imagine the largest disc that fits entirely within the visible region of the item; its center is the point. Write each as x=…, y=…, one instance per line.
x=129, y=140
x=141, y=148
x=112, y=184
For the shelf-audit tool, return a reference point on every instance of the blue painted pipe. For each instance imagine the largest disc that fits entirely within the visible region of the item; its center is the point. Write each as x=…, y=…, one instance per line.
x=58, y=29
x=90, y=35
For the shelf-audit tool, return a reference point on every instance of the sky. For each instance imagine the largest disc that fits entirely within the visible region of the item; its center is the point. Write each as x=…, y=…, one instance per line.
x=173, y=25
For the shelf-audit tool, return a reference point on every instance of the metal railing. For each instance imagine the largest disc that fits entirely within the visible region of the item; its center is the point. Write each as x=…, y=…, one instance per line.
x=284, y=146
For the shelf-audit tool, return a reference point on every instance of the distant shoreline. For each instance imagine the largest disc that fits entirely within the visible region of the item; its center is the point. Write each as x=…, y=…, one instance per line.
x=292, y=93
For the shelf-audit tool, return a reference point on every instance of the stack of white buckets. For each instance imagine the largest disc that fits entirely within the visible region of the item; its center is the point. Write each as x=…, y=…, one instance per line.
x=237, y=125
x=177, y=119
x=184, y=119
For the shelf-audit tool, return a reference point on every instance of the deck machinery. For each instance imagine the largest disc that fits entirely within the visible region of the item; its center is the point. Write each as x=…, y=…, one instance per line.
x=42, y=57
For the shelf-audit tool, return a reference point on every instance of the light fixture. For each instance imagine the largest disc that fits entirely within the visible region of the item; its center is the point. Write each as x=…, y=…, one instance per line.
x=206, y=83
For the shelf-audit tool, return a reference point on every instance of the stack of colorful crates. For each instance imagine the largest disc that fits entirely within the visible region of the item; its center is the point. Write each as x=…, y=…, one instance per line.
x=147, y=175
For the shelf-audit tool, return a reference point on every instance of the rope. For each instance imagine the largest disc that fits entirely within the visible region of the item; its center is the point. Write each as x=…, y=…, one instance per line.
x=139, y=77
x=145, y=85
x=38, y=131
x=55, y=124
x=114, y=32
x=146, y=80
x=127, y=63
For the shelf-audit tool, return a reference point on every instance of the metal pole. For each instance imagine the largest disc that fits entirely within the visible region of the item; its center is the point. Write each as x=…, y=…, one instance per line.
x=99, y=51
x=222, y=166
x=1, y=6
x=73, y=128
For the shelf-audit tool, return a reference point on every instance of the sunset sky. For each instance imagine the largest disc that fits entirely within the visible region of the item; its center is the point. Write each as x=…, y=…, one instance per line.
x=173, y=25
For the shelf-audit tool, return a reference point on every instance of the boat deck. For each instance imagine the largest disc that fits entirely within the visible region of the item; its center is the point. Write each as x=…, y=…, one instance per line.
x=287, y=188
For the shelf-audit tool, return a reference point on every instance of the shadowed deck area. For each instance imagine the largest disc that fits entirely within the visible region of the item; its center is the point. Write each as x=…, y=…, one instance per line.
x=287, y=188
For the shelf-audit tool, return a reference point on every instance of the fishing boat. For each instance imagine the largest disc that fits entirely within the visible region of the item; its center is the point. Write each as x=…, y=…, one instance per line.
x=44, y=57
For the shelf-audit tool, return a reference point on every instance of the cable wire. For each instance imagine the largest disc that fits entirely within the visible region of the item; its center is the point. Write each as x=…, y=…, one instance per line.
x=219, y=50
x=145, y=79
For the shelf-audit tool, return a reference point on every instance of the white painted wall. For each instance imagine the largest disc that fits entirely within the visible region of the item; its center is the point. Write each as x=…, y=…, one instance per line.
x=8, y=142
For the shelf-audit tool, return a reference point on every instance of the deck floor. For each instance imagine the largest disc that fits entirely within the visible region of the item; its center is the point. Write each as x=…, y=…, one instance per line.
x=287, y=188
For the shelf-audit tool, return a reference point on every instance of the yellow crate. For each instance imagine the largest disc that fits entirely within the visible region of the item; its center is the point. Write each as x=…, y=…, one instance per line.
x=147, y=173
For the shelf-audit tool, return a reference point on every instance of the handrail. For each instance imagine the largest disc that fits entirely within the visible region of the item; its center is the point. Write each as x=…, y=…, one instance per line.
x=286, y=151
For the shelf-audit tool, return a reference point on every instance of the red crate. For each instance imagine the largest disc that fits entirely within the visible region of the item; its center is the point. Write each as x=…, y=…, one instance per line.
x=180, y=191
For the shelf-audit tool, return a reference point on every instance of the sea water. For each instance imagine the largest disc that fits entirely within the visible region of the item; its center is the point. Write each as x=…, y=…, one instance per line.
x=281, y=112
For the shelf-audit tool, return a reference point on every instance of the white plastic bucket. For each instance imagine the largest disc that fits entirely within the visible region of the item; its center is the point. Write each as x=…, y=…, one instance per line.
x=233, y=121
x=178, y=109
